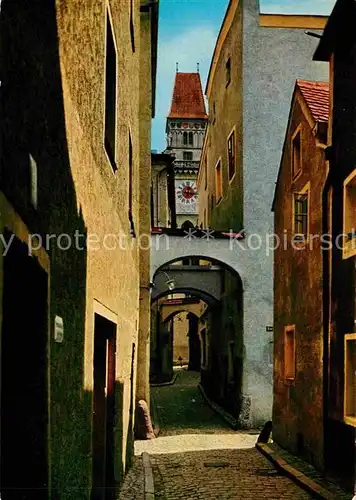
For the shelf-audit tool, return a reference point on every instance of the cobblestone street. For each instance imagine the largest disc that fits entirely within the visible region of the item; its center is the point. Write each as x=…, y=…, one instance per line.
x=198, y=457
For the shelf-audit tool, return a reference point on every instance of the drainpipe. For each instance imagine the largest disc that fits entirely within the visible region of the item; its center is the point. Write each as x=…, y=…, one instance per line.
x=326, y=291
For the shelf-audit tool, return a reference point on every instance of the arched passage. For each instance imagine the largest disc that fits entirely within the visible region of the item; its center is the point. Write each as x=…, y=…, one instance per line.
x=216, y=336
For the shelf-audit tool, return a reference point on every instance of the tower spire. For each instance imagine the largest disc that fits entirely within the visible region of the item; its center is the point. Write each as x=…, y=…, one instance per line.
x=176, y=67
x=197, y=67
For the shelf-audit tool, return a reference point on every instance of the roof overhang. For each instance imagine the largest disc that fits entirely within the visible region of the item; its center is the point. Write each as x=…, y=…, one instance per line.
x=293, y=21
x=224, y=30
x=286, y=21
x=315, y=125
x=339, y=28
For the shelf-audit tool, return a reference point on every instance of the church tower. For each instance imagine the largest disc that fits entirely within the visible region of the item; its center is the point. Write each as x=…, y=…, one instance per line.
x=185, y=130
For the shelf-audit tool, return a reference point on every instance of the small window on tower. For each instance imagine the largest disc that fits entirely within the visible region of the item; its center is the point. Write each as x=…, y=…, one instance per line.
x=187, y=156
x=190, y=138
x=185, y=138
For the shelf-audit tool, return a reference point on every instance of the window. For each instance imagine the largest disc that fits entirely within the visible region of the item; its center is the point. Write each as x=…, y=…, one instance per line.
x=228, y=71
x=185, y=138
x=289, y=352
x=110, y=94
x=231, y=155
x=349, y=247
x=218, y=181
x=214, y=112
x=187, y=155
x=190, y=138
x=132, y=227
x=301, y=213
x=296, y=153
x=132, y=26
x=350, y=379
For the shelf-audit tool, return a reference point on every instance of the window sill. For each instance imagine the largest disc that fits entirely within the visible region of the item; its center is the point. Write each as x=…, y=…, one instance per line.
x=349, y=249
x=350, y=420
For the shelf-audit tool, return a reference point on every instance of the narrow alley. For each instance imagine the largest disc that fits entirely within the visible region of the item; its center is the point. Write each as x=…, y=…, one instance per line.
x=198, y=456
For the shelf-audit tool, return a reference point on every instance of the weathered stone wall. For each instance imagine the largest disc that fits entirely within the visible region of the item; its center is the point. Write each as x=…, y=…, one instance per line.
x=227, y=103
x=53, y=95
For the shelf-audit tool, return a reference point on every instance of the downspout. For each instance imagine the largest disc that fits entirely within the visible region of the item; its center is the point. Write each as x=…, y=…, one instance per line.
x=327, y=254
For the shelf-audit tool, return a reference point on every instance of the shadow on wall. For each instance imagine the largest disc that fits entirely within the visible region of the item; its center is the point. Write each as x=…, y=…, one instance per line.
x=33, y=123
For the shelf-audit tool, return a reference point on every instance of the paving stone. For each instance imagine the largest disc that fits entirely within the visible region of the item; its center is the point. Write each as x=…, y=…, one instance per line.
x=197, y=456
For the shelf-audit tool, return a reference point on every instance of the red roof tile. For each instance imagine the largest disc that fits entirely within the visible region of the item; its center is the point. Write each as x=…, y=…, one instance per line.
x=316, y=96
x=188, y=100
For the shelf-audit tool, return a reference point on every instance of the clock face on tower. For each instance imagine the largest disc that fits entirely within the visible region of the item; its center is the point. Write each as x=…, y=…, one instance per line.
x=187, y=192
x=186, y=196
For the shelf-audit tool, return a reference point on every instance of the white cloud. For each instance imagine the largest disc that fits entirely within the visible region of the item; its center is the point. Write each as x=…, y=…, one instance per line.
x=188, y=48
x=321, y=7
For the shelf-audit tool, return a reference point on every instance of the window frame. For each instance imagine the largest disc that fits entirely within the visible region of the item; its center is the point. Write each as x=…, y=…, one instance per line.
x=348, y=418
x=289, y=378
x=218, y=198
x=231, y=134
x=111, y=155
x=349, y=246
x=304, y=191
x=298, y=131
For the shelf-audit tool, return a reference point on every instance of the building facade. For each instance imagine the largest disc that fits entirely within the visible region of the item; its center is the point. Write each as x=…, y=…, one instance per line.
x=256, y=61
x=185, y=129
x=298, y=277
x=77, y=100
x=337, y=47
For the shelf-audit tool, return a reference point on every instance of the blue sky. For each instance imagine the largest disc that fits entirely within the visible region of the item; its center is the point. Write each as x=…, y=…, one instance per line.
x=187, y=34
